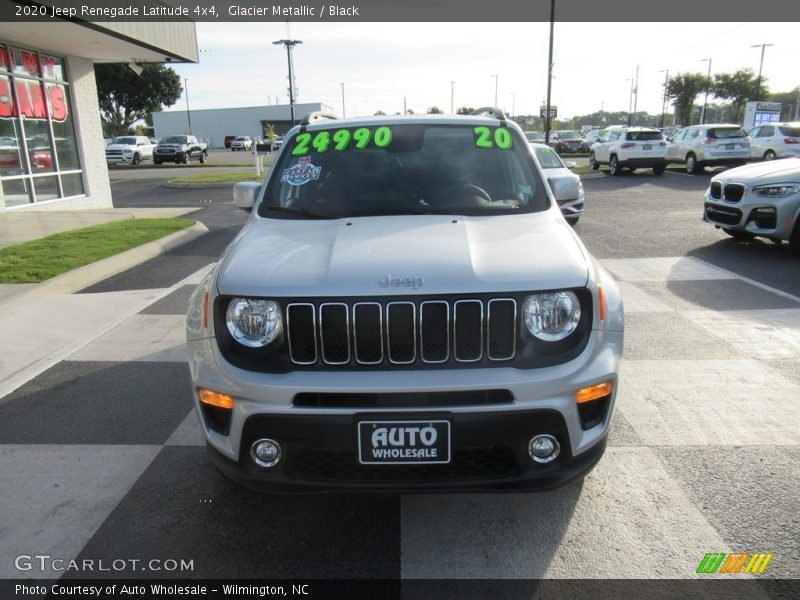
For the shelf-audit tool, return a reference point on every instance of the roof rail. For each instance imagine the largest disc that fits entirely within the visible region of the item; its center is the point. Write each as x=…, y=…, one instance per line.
x=490, y=111
x=315, y=116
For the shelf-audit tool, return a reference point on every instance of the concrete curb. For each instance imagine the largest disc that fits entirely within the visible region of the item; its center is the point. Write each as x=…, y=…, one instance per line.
x=82, y=277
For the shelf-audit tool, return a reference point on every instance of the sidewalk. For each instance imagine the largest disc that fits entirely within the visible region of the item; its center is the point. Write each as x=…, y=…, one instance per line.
x=44, y=323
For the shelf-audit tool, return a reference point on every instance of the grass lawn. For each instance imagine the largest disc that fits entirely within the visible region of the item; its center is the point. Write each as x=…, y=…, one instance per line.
x=583, y=170
x=216, y=178
x=35, y=261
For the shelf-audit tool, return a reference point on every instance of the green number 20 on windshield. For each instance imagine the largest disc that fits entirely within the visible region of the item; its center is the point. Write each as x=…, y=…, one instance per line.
x=341, y=139
x=486, y=138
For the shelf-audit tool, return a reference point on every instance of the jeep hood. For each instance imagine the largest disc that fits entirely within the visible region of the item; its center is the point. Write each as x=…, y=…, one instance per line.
x=419, y=254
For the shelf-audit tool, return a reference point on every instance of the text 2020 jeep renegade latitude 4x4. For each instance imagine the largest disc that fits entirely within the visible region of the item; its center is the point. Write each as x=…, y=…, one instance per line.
x=406, y=308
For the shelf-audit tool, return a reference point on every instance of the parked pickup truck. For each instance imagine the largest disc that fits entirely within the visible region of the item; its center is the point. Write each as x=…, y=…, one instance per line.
x=129, y=150
x=180, y=149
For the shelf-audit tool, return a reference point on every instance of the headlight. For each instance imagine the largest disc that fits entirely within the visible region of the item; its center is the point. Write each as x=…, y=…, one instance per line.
x=776, y=191
x=127, y=151
x=552, y=316
x=253, y=322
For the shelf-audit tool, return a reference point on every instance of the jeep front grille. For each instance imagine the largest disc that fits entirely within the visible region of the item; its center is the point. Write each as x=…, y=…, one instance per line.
x=401, y=332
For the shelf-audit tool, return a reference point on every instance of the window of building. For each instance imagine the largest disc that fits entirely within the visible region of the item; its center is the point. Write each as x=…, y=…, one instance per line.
x=38, y=149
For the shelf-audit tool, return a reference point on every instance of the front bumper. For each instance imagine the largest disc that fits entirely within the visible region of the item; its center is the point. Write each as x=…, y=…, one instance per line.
x=541, y=400
x=489, y=453
x=119, y=160
x=759, y=216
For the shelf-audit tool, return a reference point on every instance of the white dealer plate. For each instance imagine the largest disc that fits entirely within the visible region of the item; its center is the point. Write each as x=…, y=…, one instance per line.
x=403, y=442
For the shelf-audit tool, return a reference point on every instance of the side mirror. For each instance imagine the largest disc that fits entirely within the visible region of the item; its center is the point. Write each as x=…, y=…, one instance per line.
x=570, y=164
x=245, y=194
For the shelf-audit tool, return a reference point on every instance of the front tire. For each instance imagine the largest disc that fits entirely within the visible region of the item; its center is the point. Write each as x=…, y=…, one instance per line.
x=659, y=170
x=186, y=158
x=137, y=159
x=593, y=162
x=770, y=155
x=613, y=166
x=692, y=166
x=203, y=158
x=794, y=241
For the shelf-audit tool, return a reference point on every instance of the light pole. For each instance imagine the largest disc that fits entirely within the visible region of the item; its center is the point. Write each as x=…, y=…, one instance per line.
x=760, y=66
x=705, y=102
x=289, y=45
x=513, y=103
x=636, y=91
x=549, y=72
x=343, y=113
x=188, y=113
x=496, y=78
x=630, y=101
x=664, y=101
x=452, y=84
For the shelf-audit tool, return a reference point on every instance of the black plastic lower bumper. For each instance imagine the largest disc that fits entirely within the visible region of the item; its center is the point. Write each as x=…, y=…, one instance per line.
x=489, y=452
x=643, y=163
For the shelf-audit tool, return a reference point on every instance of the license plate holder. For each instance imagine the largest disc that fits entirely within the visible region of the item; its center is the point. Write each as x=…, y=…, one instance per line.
x=730, y=146
x=647, y=147
x=415, y=442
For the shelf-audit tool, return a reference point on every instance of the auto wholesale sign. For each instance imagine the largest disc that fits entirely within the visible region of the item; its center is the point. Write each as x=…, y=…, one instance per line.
x=34, y=99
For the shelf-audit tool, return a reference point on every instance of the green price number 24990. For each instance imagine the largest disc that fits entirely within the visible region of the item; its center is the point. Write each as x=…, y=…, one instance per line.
x=341, y=139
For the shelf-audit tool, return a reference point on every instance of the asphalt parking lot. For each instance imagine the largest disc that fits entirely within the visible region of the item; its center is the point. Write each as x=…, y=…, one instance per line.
x=105, y=458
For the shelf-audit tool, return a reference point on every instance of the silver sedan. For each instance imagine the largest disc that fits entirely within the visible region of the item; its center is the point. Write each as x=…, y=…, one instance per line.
x=566, y=186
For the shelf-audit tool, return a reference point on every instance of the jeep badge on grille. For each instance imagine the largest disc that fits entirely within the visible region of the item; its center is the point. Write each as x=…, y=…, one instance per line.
x=412, y=282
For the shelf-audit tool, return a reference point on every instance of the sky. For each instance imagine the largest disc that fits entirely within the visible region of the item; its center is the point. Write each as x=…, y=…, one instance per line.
x=383, y=65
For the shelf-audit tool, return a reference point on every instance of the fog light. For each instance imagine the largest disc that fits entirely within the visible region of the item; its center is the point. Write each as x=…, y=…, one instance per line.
x=543, y=448
x=265, y=453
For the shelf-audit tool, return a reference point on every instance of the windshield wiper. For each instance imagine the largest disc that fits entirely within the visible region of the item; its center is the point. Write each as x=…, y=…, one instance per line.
x=303, y=211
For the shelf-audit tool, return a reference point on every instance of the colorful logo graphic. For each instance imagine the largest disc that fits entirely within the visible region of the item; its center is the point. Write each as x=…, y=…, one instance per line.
x=736, y=562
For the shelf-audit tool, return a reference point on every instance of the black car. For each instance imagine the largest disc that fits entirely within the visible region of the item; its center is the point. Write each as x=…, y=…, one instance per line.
x=566, y=141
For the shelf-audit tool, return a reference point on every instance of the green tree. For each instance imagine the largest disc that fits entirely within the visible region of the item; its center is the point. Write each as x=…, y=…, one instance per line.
x=434, y=110
x=125, y=97
x=683, y=89
x=269, y=132
x=464, y=110
x=738, y=88
x=789, y=101
x=380, y=113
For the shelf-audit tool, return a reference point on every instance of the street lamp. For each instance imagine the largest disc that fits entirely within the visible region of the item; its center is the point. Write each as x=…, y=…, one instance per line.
x=630, y=101
x=496, y=78
x=188, y=114
x=452, y=84
x=664, y=101
x=760, y=66
x=705, y=102
x=289, y=45
x=342, y=84
x=549, y=73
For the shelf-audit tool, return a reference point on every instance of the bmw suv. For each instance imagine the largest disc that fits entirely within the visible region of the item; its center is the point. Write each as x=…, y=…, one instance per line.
x=405, y=308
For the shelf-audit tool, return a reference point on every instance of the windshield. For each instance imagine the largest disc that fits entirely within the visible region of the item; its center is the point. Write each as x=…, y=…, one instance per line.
x=404, y=169
x=175, y=139
x=533, y=136
x=568, y=134
x=127, y=141
x=239, y=139
x=548, y=159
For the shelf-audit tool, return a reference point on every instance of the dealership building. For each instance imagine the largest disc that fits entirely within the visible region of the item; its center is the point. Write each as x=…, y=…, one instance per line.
x=52, y=153
x=215, y=124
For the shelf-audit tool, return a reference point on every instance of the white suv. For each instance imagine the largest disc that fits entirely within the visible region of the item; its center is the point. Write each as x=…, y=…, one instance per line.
x=630, y=148
x=699, y=146
x=242, y=142
x=776, y=140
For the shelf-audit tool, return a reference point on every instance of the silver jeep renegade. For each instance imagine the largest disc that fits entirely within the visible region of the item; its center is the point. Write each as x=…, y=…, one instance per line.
x=405, y=309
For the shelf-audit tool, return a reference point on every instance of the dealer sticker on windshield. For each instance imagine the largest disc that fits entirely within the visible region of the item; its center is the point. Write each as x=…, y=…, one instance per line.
x=301, y=173
x=403, y=442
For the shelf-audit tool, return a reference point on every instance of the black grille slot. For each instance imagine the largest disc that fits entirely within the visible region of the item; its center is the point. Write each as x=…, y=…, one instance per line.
x=403, y=399
x=716, y=190
x=502, y=329
x=721, y=214
x=734, y=192
x=468, y=330
x=368, y=332
x=400, y=324
x=302, y=333
x=334, y=336
x=434, y=331
x=466, y=464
